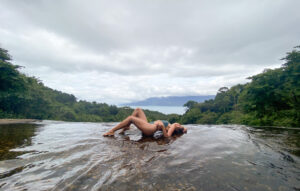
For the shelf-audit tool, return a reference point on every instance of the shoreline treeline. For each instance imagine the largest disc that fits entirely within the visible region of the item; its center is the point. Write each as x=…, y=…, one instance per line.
x=27, y=97
x=271, y=98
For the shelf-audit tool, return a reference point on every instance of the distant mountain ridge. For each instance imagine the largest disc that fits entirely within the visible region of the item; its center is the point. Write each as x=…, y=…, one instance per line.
x=170, y=100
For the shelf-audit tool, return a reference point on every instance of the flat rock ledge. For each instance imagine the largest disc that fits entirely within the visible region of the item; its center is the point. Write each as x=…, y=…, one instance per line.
x=10, y=121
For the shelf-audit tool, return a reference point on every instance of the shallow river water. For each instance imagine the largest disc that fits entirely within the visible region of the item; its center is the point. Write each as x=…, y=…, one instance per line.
x=52, y=155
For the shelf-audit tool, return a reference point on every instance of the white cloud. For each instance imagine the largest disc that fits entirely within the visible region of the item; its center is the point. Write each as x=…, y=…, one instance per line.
x=119, y=51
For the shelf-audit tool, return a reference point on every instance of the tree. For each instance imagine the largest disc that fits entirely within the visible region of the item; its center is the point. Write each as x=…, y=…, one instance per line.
x=270, y=98
x=190, y=104
x=4, y=56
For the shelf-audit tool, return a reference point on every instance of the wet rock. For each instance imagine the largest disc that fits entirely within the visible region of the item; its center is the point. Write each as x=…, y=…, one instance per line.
x=75, y=156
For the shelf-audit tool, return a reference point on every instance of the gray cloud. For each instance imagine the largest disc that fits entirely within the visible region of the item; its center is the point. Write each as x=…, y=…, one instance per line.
x=147, y=48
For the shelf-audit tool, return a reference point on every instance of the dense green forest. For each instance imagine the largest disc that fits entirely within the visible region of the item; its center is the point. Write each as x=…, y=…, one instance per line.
x=271, y=98
x=27, y=97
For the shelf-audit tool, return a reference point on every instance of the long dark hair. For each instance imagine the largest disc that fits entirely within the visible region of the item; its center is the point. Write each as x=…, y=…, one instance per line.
x=178, y=131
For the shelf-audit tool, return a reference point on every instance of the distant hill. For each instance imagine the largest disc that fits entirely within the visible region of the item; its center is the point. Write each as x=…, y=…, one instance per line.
x=170, y=100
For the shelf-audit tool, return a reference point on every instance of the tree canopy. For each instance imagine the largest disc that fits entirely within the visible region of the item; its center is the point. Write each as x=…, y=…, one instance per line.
x=271, y=98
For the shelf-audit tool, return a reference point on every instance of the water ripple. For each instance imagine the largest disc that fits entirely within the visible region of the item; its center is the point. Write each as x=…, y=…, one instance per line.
x=75, y=156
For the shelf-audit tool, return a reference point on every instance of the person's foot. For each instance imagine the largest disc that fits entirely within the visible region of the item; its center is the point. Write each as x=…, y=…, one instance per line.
x=109, y=133
x=124, y=129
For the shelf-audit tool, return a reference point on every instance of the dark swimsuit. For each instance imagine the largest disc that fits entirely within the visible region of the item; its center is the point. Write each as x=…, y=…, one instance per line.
x=165, y=122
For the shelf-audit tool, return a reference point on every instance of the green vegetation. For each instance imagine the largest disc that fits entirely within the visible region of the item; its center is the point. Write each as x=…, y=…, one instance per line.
x=27, y=97
x=271, y=98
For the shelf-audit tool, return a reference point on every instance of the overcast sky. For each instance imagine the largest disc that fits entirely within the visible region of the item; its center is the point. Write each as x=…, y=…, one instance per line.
x=118, y=51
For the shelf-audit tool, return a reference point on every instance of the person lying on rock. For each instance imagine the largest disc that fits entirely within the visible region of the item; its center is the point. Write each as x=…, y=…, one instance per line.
x=139, y=119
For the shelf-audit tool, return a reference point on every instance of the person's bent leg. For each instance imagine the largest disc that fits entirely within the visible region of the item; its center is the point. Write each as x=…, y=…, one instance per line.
x=145, y=127
x=124, y=124
x=139, y=113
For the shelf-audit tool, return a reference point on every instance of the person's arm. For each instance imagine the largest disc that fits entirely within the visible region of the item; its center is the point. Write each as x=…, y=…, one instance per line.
x=171, y=130
x=175, y=126
x=162, y=127
x=166, y=134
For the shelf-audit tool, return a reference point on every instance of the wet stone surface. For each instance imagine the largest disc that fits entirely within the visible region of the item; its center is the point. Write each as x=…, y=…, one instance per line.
x=53, y=155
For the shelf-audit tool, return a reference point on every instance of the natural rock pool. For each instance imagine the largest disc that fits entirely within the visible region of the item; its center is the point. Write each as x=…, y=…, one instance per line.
x=52, y=155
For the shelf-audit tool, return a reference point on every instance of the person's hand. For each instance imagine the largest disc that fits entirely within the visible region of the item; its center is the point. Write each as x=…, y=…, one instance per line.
x=159, y=125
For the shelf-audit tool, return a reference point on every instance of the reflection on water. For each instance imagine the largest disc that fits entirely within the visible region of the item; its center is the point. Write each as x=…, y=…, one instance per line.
x=283, y=138
x=15, y=135
x=74, y=156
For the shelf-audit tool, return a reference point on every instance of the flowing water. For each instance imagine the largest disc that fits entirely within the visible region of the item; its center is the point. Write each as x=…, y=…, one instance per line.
x=74, y=156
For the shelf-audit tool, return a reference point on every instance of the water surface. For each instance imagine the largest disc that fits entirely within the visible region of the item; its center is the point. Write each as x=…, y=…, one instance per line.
x=74, y=156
